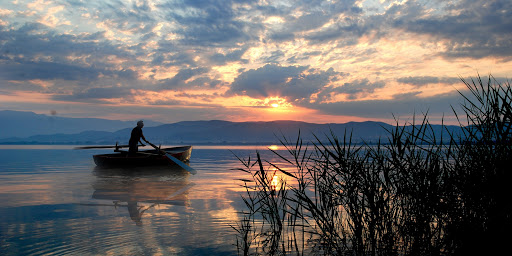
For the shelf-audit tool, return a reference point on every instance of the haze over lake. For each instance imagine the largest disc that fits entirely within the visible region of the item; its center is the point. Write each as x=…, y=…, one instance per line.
x=55, y=201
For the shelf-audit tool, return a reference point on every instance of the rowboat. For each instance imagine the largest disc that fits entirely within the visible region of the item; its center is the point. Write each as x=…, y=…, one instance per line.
x=152, y=157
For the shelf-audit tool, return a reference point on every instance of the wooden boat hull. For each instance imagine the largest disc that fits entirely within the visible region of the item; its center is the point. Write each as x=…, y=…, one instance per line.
x=142, y=158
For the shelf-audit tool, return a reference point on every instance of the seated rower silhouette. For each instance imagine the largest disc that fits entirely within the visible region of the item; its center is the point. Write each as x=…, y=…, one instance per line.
x=135, y=138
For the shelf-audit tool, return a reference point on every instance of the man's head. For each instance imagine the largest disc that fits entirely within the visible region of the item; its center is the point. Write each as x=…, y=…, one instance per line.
x=140, y=123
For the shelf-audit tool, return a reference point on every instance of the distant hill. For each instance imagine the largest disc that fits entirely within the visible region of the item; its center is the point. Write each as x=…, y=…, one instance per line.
x=25, y=124
x=256, y=132
x=223, y=132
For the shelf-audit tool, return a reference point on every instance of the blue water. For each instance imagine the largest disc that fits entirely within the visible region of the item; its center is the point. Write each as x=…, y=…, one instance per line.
x=54, y=201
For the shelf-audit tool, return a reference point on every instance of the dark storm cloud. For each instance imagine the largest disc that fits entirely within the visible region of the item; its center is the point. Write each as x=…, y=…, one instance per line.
x=290, y=82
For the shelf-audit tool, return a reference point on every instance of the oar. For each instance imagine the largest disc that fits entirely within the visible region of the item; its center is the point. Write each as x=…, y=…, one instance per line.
x=91, y=147
x=174, y=159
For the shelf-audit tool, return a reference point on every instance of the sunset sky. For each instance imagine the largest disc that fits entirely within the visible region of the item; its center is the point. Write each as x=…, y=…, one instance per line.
x=317, y=61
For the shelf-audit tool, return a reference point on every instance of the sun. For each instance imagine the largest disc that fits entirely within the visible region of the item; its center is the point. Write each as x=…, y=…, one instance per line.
x=276, y=103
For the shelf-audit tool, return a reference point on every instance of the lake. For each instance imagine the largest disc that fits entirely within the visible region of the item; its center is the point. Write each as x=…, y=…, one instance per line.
x=54, y=201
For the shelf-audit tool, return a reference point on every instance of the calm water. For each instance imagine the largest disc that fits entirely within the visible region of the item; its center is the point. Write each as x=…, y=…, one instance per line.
x=55, y=201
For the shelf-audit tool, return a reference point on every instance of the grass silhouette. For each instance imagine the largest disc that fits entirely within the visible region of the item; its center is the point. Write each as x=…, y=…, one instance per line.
x=414, y=192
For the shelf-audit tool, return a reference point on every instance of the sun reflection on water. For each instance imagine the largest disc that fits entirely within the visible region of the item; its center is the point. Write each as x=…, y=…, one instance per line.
x=275, y=182
x=273, y=147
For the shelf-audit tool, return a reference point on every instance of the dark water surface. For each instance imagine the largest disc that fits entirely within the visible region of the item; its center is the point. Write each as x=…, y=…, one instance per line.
x=54, y=201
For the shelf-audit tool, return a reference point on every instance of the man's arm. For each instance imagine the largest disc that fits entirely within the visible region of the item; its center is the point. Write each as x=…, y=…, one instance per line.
x=142, y=137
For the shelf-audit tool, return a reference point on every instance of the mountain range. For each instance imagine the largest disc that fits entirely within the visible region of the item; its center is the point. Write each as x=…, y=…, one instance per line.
x=25, y=124
x=42, y=129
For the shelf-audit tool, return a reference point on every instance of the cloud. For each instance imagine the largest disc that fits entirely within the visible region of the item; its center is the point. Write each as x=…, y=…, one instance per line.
x=168, y=55
x=34, y=40
x=189, y=78
x=353, y=90
x=274, y=57
x=468, y=28
x=36, y=51
x=295, y=83
x=233, y=56
x=301, y=50
x=207, y=22
x=186, y=74
x=318, y=21
x=94, y=94
x=135, y=18
x=401, y=105
x=303, y=56
x=281, y=36
x=419, y=81
x=337, y=31
x=44, y=70
x=269, y=80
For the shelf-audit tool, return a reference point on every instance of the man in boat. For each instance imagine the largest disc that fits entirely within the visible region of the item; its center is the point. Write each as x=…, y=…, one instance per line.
x=135, y=138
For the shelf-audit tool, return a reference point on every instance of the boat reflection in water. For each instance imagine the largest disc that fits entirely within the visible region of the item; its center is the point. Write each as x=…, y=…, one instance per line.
x=141, y=188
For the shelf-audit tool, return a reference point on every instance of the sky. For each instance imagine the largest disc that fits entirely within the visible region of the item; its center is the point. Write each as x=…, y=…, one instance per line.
x=319, y=61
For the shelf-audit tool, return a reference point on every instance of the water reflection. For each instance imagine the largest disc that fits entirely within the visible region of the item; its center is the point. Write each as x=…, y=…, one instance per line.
x=56, y=202
x=140, y=189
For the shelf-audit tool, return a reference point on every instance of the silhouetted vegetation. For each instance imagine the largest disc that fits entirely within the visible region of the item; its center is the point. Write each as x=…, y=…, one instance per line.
x=413, y=193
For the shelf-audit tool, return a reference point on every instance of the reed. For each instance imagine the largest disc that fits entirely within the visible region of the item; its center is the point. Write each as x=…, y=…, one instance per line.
x=414, y=192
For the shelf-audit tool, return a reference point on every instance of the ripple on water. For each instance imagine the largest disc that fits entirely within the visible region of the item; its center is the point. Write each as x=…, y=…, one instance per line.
x=80, y=237
x=58, y=203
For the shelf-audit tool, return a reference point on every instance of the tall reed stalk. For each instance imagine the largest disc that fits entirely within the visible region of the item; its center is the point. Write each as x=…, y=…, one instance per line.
x=415, y=192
